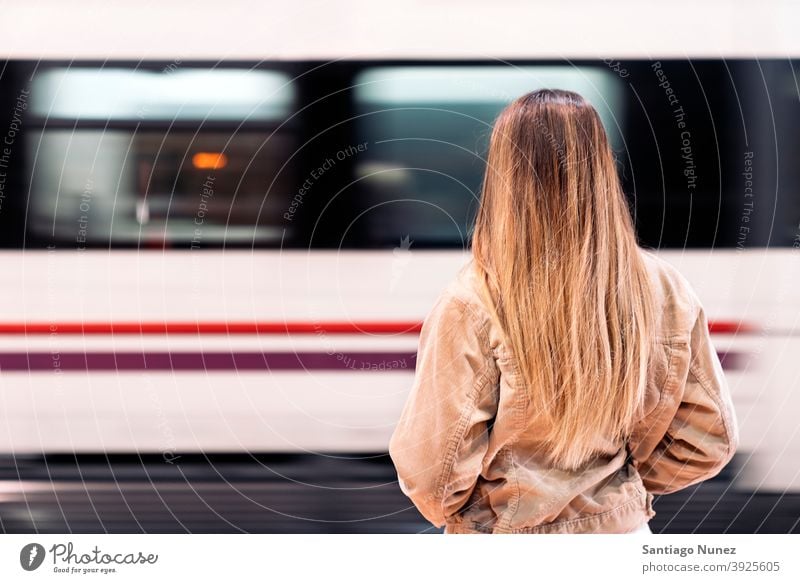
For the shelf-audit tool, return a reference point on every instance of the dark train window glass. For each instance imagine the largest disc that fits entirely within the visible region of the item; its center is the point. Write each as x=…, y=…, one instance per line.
x=425, y=131
x=121, y=155
x=156, y=187
x=711, y=150
x=777, y=147
x=197, y=158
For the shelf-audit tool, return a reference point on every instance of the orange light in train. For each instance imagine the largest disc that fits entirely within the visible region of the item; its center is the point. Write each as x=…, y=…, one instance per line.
x=209, y=160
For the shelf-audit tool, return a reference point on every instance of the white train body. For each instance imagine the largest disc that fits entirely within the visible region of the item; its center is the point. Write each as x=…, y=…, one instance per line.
x=49, y=405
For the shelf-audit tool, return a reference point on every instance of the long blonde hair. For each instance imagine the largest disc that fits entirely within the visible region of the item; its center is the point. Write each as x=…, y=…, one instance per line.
x=556, y=253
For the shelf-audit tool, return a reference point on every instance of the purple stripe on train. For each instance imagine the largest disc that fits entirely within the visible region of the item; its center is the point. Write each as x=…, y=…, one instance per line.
x=206, y=361
x=229, y=361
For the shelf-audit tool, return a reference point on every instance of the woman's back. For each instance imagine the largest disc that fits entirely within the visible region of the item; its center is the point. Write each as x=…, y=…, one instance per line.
x=468, y=447
x=561, y=352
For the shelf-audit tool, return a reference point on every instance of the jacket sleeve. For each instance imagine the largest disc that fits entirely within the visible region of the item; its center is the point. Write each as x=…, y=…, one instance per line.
x=442, y=436
x=703, y=434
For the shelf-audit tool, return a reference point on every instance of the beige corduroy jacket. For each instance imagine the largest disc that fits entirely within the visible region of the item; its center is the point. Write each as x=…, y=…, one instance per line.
x=465, y=445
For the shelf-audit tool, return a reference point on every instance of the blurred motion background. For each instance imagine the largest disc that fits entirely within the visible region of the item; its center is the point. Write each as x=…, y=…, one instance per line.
x=222, y=225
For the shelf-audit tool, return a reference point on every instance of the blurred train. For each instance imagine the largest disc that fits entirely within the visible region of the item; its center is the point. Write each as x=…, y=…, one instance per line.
x=213, y=254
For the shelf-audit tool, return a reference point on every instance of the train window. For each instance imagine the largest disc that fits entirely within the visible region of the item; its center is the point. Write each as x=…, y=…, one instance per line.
x=425, y=132
x=710, y=153
x=82, y=93
x=377, y=154
x=786, y=144
x=196, y=158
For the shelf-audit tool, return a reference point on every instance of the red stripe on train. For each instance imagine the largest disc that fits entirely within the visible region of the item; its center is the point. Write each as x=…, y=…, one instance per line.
x=154, y=328
x=244, y=328
x=723, y=327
